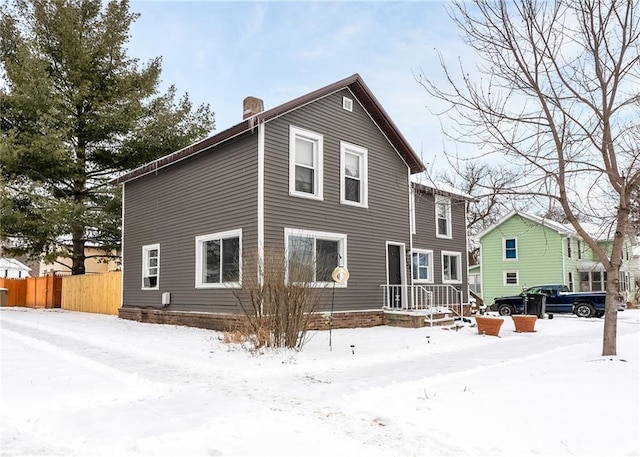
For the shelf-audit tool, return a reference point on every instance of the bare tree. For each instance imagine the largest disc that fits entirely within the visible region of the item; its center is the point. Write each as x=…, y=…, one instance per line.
x=557, y=98
x=486, y=183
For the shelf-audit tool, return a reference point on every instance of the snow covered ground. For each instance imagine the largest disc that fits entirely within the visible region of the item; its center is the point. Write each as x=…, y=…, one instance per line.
x=77, y=384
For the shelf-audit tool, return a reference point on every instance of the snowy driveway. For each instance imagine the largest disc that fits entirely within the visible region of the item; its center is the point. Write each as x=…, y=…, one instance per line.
x=83, y=384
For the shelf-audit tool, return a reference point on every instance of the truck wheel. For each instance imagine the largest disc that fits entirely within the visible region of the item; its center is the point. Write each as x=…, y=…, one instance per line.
x=599, y=313
x=584, y=310
x=505, y=310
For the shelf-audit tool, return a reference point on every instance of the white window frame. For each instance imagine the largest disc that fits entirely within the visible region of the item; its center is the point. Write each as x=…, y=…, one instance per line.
x=504, y=278
x=317, y=140
x=362, y=154
x=504, y=248
x=200, y=257
x=146, y=249
x=439, y=200
x=459, y=269
x=341, y=238
x=416, y=276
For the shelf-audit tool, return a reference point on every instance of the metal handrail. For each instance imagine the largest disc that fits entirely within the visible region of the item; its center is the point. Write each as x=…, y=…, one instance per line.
x=422, y=297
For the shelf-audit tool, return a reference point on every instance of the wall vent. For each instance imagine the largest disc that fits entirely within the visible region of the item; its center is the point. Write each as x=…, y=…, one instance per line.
x=347, y=104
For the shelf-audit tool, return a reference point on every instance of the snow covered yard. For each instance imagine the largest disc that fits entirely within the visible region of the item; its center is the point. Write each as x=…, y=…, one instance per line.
x=94, y=385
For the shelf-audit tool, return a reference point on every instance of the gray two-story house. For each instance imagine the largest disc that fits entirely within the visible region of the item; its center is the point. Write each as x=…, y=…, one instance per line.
x=325, y=176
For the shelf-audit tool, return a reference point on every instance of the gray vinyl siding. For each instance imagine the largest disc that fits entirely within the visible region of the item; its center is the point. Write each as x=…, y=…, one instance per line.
x=425, y=236
x=367, y=229
x=213, y=191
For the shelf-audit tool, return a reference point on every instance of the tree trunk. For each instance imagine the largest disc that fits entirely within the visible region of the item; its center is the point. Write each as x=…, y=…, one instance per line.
x=77, y=255
x=611, y=313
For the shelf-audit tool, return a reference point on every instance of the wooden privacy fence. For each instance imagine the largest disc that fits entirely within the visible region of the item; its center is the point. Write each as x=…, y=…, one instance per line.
x=42, y=292
x=98, y=293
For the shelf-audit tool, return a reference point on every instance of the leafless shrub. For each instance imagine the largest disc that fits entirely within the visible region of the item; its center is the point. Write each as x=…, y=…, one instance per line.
x=278, y=301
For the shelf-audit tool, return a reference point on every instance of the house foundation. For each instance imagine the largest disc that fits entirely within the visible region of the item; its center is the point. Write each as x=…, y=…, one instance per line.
x=226, y=322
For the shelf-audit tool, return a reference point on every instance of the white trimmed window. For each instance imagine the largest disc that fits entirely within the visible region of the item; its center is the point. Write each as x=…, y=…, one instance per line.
x=219, y=259
x=353, y=175
x=451, y=267
x=312, y=256
x=443, y=217
x=511, y=278
x=510, y=248
x=422, y=265
x=305, y=163
x=151, y=267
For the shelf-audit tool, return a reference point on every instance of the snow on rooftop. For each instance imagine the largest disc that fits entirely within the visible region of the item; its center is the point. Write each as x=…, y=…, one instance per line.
x=441, y=187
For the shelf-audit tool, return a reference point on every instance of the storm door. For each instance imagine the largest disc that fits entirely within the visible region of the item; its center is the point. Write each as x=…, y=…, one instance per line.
x=395, y=264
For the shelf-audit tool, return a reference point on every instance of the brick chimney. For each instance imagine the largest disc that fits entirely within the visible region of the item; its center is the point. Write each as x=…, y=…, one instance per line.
x=251, y=106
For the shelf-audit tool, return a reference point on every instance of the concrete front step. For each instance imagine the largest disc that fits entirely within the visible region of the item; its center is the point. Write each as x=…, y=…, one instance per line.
x=417, y=320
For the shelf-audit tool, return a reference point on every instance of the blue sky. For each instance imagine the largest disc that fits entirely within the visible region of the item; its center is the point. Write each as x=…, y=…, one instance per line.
x=220, y=52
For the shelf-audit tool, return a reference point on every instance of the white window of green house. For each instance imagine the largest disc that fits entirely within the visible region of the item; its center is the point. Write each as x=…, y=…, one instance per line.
x=597, y=281
x=151, y=266
x=422, y=265
x=443, y=217
x=579, y=249
x=451, y=267
x=312, y=256
x=305, y=163
x=569, y=247
x=510, y=248
x=353, y=175
x=511, y=278
x=219, y=259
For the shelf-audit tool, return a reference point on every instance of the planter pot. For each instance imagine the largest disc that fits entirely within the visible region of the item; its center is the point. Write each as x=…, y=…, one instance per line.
x=489, y=325
x=525, y=324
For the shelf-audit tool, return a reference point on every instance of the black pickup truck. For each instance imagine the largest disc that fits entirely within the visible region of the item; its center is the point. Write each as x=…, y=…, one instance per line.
x=558, y=300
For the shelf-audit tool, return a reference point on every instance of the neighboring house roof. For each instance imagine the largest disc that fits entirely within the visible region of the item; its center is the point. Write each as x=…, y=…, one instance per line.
x=599, y=232
x=354, y=83
x=562, y=229
x=12, y=264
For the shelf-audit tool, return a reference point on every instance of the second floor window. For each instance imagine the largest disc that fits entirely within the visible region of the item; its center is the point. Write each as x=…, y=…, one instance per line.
x=579, y=249
x=353, y=174
x=510, y=248
x=305, y=163
x=443, y=217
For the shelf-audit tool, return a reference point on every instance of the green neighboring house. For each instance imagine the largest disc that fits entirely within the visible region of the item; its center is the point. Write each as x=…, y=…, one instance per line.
x=522, y=250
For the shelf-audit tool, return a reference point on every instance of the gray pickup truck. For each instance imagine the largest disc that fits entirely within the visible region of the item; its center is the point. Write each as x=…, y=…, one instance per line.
x=558, y=299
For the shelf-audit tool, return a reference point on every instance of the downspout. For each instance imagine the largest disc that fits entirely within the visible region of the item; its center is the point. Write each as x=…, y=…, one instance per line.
x=412, y=225
x=564, y=266
x=260, y=241
x=466, y=253
x=122, y=248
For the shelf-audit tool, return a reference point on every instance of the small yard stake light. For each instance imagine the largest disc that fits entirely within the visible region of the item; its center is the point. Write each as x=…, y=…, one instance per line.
x=353, y=348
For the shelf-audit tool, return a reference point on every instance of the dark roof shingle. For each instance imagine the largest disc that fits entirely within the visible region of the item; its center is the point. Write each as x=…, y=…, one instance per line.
x=354, y=83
